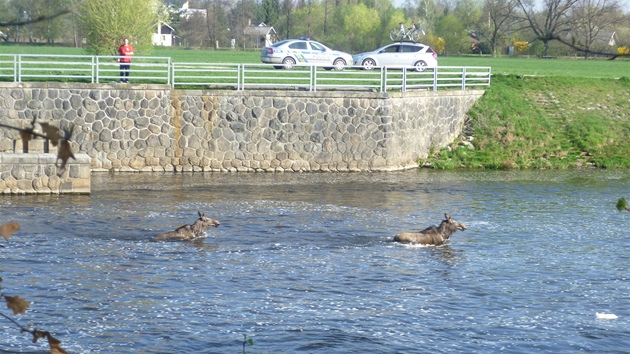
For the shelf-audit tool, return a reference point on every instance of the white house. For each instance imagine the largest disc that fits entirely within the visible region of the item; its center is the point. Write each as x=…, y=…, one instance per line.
x=261, y=35
x=165, y=35
x=186, y=12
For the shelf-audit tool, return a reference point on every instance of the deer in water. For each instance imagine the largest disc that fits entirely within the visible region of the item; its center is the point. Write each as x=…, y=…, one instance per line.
x=432, y=235
x=189, y=232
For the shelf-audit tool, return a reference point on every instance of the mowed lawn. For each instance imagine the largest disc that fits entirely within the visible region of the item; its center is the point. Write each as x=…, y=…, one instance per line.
x=575, y=67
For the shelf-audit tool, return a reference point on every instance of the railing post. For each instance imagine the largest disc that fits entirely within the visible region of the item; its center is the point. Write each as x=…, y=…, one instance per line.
x=313, y=78
x=95, y=73
x=464, y=78
x=403, y=88
x=240, y=75
x=168, y=71
x=15, y=68
x=435, y=79
x=19, y=68
x=383, y=79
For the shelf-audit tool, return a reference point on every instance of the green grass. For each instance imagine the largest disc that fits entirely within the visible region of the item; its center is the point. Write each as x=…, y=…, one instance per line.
x=502, y=65
x=550, y=67
x=546, y=122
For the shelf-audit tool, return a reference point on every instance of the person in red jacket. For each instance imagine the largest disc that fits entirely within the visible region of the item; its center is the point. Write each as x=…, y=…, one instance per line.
x=125, y=52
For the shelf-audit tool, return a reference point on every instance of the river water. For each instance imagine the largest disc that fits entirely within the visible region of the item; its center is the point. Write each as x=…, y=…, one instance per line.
x=304, y=263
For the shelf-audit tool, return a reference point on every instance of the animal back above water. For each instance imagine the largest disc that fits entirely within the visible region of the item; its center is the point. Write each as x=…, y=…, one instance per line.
x=432, y=235
x=189, y=232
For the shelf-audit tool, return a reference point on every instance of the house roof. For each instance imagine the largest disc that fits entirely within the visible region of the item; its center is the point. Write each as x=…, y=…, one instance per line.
x=164, y=24
x=260, y=30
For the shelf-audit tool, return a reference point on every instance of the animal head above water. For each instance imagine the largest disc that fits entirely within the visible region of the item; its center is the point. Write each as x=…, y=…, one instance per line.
x=204, y=223
x=453, y=224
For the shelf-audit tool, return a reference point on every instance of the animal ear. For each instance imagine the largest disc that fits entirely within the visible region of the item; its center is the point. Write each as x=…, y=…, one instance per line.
x=448, y=217
x=200, y=214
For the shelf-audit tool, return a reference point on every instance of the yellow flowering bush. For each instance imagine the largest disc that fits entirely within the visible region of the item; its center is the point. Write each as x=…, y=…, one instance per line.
x=437, y=43
x=520, y=46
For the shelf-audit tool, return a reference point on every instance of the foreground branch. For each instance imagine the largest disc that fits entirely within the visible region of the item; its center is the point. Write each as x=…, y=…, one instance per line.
x=55, y=135
x=42, y=18
x=19, y=306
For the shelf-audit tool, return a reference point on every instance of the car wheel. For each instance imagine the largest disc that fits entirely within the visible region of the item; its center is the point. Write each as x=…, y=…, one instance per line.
x=278, y=66
x=368, y=64
x=289, y=63
x=339, y=64
x=420, y=66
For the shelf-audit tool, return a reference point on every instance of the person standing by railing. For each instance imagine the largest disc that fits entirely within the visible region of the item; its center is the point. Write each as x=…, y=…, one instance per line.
x=125, y=52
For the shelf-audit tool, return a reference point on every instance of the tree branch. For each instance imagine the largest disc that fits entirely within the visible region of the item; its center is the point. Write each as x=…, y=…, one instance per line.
x=65, y=11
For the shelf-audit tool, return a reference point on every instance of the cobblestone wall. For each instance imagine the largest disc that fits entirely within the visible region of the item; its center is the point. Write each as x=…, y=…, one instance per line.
x=155, y=128
x=37, y=173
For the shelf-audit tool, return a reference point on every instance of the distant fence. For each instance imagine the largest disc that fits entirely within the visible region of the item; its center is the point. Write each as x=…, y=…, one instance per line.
x=162, y=70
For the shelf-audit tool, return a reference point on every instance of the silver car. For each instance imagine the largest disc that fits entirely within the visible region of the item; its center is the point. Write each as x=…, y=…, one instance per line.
x=292, y=52
x=398, y=55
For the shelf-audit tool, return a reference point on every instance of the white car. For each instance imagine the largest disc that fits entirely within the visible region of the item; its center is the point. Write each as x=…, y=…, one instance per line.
x=291, y=52
x=398, y=55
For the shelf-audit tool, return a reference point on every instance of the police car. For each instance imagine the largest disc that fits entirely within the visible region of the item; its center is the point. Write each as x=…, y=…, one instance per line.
x=303, y=51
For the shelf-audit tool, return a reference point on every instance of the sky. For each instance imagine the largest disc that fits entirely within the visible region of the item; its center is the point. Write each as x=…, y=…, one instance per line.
x=625, y=4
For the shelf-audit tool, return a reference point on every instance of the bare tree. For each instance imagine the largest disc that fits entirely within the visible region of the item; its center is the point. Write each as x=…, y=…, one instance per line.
x=191, y=30
x=287, y=9
x=497, y=21
x=552, y=22
x=217, y=23
x=593, y=18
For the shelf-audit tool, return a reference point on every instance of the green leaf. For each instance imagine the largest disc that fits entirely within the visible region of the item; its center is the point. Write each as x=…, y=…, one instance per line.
x=622, y=204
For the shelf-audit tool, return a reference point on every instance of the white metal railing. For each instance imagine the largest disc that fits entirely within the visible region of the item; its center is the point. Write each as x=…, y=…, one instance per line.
x=161, y=70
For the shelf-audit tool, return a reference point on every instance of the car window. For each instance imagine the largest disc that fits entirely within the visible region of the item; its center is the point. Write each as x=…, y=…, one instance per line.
x=390, y=49
x=277, y=44
x=298, y=45
x=411, y=48
x=317, y=46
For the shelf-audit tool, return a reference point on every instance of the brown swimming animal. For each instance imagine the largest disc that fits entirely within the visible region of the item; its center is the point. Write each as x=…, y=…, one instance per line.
x=189, y=232
x=432, y=235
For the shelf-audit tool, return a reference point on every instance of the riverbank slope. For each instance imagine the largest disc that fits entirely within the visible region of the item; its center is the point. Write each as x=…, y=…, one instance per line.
x=544, y=122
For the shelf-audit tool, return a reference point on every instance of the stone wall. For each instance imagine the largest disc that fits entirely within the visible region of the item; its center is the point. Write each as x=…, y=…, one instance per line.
x=37, y=173
x=156, y=128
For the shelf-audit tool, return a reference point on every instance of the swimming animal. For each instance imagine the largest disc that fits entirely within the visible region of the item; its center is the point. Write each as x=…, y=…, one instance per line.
x=189, y=232
x=432, y=235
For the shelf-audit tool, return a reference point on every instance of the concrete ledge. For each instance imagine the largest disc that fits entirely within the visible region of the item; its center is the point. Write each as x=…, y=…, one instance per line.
x=37, y=174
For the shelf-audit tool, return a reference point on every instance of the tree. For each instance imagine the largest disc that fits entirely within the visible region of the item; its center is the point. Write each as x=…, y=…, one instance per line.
x=107, y=22
x=287, y=13
x=468, y=12
x=193, y=30
x=590, y=18
x=308, y=19
x=454, y=34
x=270, y=11
x=361, y=25
x=497, y=21
x=240, y=17
x=428, y=13
x=551, y=22
x=217, y=23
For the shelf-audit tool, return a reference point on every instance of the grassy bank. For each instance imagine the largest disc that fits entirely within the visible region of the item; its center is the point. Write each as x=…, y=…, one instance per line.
x=544, y=122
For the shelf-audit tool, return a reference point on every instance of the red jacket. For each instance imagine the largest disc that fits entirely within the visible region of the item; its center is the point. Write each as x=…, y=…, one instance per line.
x=125, y=51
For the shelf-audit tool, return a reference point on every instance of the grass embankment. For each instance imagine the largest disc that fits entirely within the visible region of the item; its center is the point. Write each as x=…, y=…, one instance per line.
x=544, y=122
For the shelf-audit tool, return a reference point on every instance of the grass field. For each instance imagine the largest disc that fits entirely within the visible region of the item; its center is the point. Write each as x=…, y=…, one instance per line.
x=611, y=69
